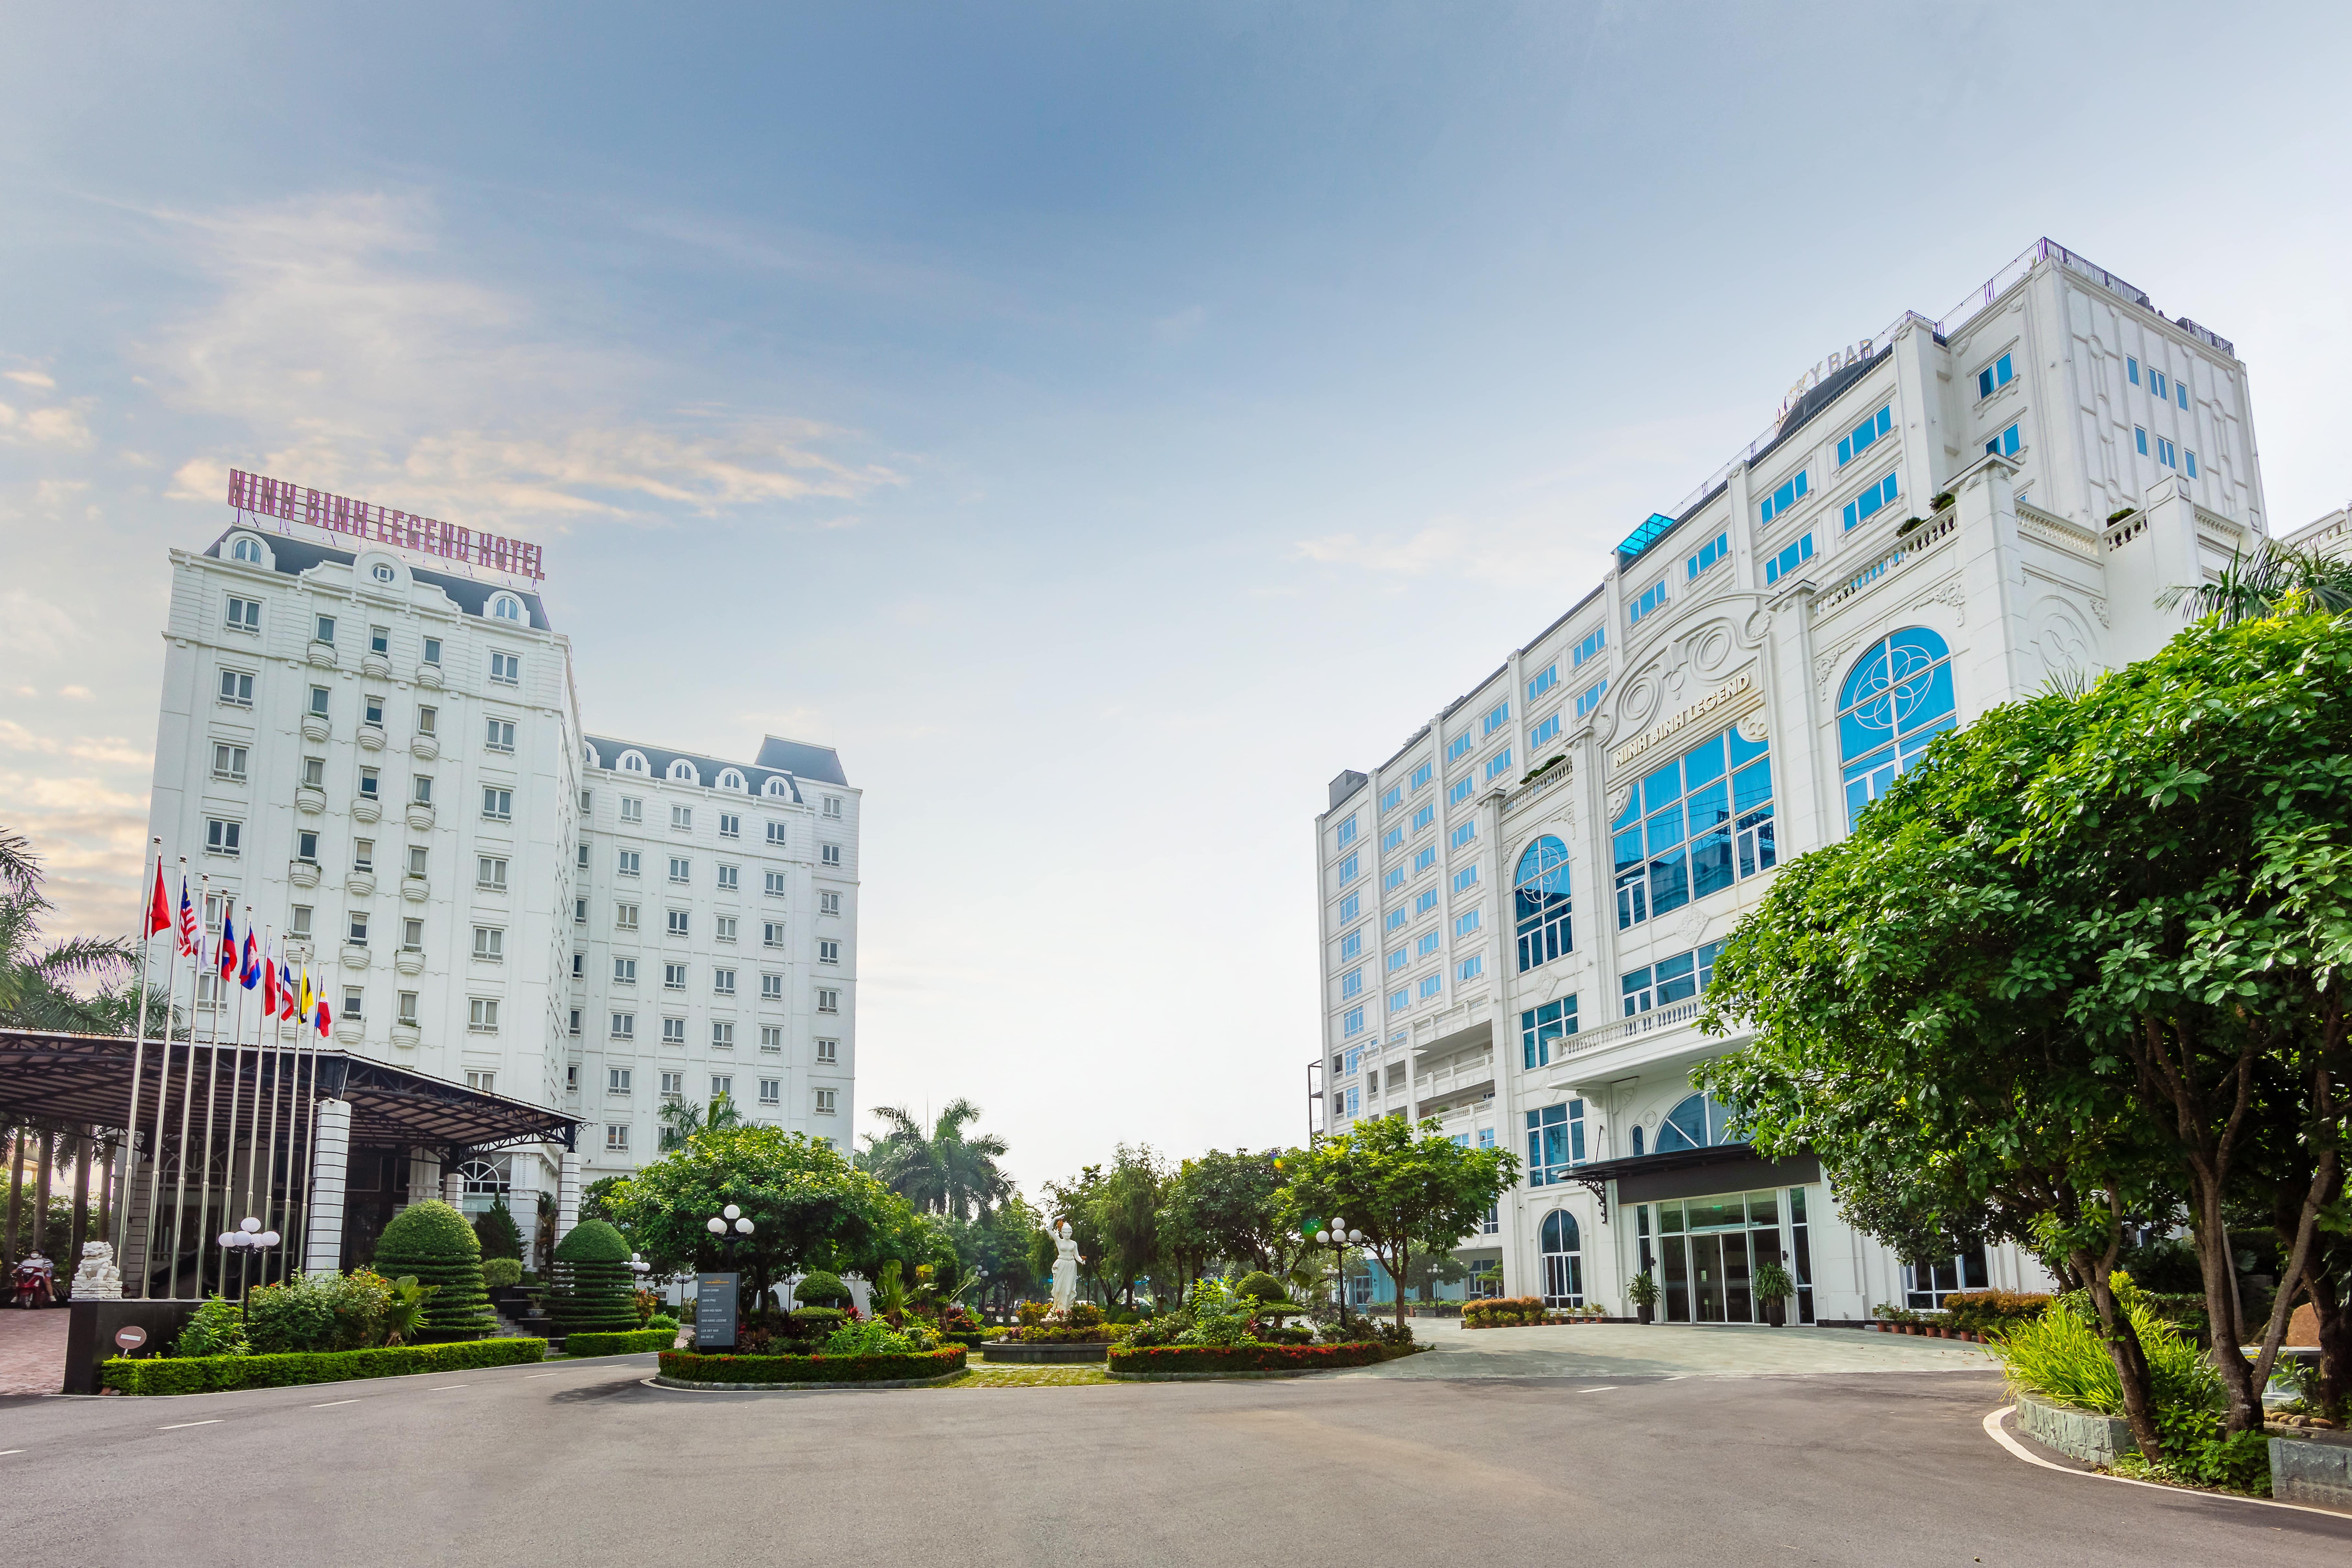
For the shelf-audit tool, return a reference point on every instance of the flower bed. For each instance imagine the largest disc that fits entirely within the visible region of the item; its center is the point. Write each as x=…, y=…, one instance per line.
x=635, y=1342
x=1162, y=1361
x=915, y=1366
x=212, y=1373
x=1525, y=1311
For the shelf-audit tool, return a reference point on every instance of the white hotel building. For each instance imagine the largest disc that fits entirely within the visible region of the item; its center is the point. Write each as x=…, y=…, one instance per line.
x=1521, y=905
x=384, y=763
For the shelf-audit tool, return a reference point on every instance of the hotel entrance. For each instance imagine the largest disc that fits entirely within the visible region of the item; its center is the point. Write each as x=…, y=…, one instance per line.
x=1704, y=1253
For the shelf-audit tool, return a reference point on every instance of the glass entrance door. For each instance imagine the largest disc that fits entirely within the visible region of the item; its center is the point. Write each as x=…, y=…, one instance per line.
x=1718, y=1278
x=1706, y=1251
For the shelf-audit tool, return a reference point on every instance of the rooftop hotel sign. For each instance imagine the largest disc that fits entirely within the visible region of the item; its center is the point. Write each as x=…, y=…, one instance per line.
x=1731, y=692
x=381, y=525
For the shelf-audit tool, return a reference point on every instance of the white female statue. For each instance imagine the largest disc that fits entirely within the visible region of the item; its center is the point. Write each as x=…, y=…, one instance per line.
x=1066, y=1266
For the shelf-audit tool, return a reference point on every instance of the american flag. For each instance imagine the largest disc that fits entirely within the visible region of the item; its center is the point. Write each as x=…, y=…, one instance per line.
x=187, y=922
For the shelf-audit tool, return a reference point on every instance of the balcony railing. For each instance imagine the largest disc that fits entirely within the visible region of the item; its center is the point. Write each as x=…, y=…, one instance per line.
x=1627, y=1028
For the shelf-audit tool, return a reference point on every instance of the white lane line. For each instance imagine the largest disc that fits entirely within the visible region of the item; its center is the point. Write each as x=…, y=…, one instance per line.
x=1992, y=1425
x=1605, y=1388
x=528, y=1375
x=176, y=1425
x=5, y=1452
x=443, y=1388
x=332, y=1403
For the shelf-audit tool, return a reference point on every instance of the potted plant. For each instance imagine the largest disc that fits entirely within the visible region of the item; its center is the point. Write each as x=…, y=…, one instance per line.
x=1773, y=1287
x=1644, y=1294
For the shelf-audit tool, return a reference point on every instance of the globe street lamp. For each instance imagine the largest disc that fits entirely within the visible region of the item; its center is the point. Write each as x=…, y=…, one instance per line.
x=718, y=1223
x=249, y=1237
x=1340, y=1238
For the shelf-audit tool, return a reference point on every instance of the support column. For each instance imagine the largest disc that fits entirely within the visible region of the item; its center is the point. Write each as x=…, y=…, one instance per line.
x=567, y=1195
x=453, y=1182
x=322, y=1228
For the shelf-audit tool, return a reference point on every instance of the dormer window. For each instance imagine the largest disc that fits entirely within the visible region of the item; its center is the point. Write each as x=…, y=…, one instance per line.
x=631, y=762
x=247, y=550
x=730, y=779
x=682, y=772
x=506, y=607
x=780, y=789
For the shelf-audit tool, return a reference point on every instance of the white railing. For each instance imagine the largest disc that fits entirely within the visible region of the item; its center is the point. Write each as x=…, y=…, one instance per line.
x=1556, y=773
x=2052, y=528
x=1450, y=1081
x=2127, y=530
x=1938, y=530
x=1627, y=1028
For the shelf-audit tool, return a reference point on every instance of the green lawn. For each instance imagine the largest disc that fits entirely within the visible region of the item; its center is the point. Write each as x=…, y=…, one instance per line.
x=982, y=1375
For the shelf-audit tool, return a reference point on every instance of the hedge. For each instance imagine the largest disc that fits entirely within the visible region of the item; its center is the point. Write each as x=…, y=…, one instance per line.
x=688, y=1366
x=1244, y=1357
x=636, y=1341
x=212, y=1373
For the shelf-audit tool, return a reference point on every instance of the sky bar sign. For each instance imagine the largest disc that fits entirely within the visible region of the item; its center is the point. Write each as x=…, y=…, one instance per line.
x=381, y=525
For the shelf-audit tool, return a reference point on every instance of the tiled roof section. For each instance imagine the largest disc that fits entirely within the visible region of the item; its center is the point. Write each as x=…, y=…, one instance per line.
x=658, y=759
x=798, y=758
x=295, y=556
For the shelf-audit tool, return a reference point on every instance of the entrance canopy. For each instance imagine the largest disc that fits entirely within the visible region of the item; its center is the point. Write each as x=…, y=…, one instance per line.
x=87, y=1079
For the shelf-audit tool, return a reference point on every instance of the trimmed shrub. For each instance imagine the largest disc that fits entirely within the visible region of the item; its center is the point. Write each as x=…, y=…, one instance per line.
x=690, y=1367
x=1502, y=1311
x=595, y=1288
x=1242, y=1358
x=636, y=1341
x=501, y=1273
x=663, y=1322
x=217, y=1329
x=821, y=1288
x=498, y=1234
x=208, y=1374
x=1982, y=1311
x=317, y=1312
x=432, y=1241
x=1260, y=1286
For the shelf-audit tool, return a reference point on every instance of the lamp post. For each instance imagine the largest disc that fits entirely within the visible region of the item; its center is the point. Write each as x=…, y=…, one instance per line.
x=1342, y=1238
x=248, y=1237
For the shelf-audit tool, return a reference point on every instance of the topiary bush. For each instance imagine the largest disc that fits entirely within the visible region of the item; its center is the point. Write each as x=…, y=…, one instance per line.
x=1259, y=1286
x=595, y=1290
x=498, y=1234
x=432, y=1241
x=821, y=1288
x=501, y=1273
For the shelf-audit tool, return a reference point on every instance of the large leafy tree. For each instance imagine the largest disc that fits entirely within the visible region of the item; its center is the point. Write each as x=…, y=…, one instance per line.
x=1411, y=1189
x=1127, y=1217
x=1227, y=1206
x=38, y=982
x=947, y=1169
x=808, y=1207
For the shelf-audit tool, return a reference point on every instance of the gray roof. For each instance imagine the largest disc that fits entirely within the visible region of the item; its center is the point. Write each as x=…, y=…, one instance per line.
x=659, y=758
x=295, y=556
x=801, y=760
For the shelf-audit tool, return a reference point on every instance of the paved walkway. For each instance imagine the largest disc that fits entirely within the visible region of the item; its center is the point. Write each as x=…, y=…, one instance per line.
x=1669, y=1349
x=33, y=1350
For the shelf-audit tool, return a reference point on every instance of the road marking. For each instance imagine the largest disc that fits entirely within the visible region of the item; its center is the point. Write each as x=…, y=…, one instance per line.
x=332, y=1403
x=443, y=1388
x=174, y=1427
x=5, y=1452
x=528, y=1375
x=1605, y=1388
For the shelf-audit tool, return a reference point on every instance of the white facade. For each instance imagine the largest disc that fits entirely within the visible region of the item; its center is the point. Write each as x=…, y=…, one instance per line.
x=1944, y=518
x=383, y=763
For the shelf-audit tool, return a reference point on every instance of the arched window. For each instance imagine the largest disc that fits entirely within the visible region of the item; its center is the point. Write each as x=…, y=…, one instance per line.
x=485, y=1177
x=245, y=550
x=683, y=772
x=1563, y=1261
x=506, y=607
x=780, y=789
x=591, y=756
x=632, y=762
x=1897, y=698
x=1698, y=1123
x=730, y=779
x=1542, y=903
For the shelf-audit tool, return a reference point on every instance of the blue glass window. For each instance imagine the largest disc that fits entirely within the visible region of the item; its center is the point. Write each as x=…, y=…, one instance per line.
x=1431, y=985
x=1350, y=907
x=1539, y=1026
x=1897, y=698
x=1421, y=776
x=1465, y=879
x=2188, y=462
x=2140, y=436
x=1458, y=748
x=1351, y=946
x=2131, y=371
x=1345, y=833
x=1654, y=597
x=1555, y=1142
x=2003, y=445
x=1392, y=839
x=1426, y=901
x=1793, y=556
x=2156, y=382
x=1543, y=731
x=1349, y=871
x=1466, y=833
x=1499, y=763
x=1354, y=1021
x=1423, y=860
x=1393, y=879
x=1545, y=679
x=1594, y=641
x=1872, y=498
x=1396, y=918
x=1859, y=439
x=1997, y=375
x=1669, y=980
x=2181, y=388
x=1423, y=817
x=1496, y=720
x=1470, y=968
x=1427, y=944
x=1694, y=827
x=1393, y=797
x=2164, y=452
x=1541, y=906
x=1398, y=958
x=1712, y=550
x=1467, y=925
x=1590, y=698
x=1352, y=982
x=1790, y=491
x=1698, y=1123
x=1459, y=791
x=1399, y=1001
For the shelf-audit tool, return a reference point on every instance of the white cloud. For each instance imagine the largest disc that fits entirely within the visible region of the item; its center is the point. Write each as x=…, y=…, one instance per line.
x=33, y=626
x=31, y=378
x=45, y=426
x=104, y=749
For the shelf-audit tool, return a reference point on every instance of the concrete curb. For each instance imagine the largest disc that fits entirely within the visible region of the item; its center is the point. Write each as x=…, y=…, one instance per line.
x=1992, y=1425
x=2084, y=1435
x=658, y=1381
x=1223, y=1376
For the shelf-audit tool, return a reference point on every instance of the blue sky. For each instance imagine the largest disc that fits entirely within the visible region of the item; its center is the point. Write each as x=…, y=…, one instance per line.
x=1103, y=424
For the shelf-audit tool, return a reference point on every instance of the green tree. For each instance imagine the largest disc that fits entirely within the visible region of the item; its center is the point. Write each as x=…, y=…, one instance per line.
x=681, y=1119
x=1227, y=1206
x=497, y=1233
x=2274, y=578
x=947, y=1171
x=37, y=983
x=807, y=1205
x=1409, y=1189
x=1125, y=1211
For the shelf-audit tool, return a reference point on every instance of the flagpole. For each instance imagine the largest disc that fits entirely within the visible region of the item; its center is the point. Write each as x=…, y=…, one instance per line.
x=310, y=1146
x=138, y=1052
x=162, y=1093
x=253, y=1118
x=269, y=1170
x=194, y=936
x=212, y=1097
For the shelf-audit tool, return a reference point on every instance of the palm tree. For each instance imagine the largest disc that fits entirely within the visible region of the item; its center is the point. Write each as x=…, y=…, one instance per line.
x=680, y=1121
x=944, y=1172
x=36, y=984
x=2275, y=577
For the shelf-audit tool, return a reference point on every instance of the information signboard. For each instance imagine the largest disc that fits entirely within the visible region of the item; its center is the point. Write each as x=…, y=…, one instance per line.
x=714, y=1310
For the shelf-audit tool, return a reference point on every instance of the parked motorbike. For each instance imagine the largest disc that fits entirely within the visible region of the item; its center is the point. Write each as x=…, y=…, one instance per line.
x=33, y=1283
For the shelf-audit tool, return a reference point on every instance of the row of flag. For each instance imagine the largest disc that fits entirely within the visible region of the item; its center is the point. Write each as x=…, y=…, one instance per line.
x=256, y=966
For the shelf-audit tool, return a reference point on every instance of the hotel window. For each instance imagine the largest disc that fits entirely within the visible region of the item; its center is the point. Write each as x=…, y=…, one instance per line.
x=1399, y=1000
x=828, y=1000
x=1500, y=716
x=673, y=1032
x=1790, y=491
x=1872, y=498
x=1590, y=698
x=772, y=934
x=722, y=1036
x=722, y=981
x=412, y=935
x=1393, y=841
x=1997, y=375
x=2164, y=452
x=433, y=650
x=482, y=1016
x=1669, y=981
x=491, y=871
x=1470, y=968
x=1555, y=1142
x=323, y=630
x=1498, y=764
x=574, y=1030
x=1392, y=798
x=631, y=811
x=420, y=791
x=673, y=976
x=1465, y=879
x=371, y=711
x=624, y=917
x=826, y=1098
x=775, y=884
x=616, y=1139
x=244, y=615
x=1467, y=924
x=1397, y=959
x=379, y=637
x=771, y=1039
x=831, y=806
x=236, y=689
x=371, y=782
x=355, y=929
x=1352, y=1023
x=1423, y=860
x=726, y=932
x=1791, y=557
x=1897, y=698
x=300, y=928
x=2139, y=438
x=1431, y=985
x=580, y=911
x=1858, y=440
x=624, y=971
x=2131, y=369
x=829, y=855
x=772, y=988
x=222, y=836
x=681, y=818
x=828, y=1053
x=583, y=856
x=2188, y=462
x=729, y=825
x=1424, y=903
x=1545, y=679
x=506, y=669
x=2004, y=445
x=427, y=723
x=680, y=868
x=1427, y=944
x=579, y=966
x=1423, y=817
x=318, y=702
x=352, y=996
x=305, y=846
x=228, y=762
x=1543, y=731
x=497, y=805
x=677, y=922
x=1349, y=870
x=499, y=734
x=407, y=1005
x=2156, y=382
x=1350, y=907
x=776, y=833
x=363, y=853
x=772, y=1090
x=1422, y=776
x=245, y=550
x=1468, y=833
x=1541, y=908
x=1458, y=748
x=505, y=609
x=1345, y=833
x=1540, y=1026
x=1654, y=597
x=1594, y=641
x=828, y=951
x=1396, y=918
x=625, y=1027
x=1694, y=827
x=314, y=772
x=2181, y=387
x=1712, y=550
x=1459, y=791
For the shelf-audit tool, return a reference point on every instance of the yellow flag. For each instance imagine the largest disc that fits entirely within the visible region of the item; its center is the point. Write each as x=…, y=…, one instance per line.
x=305, y=1014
